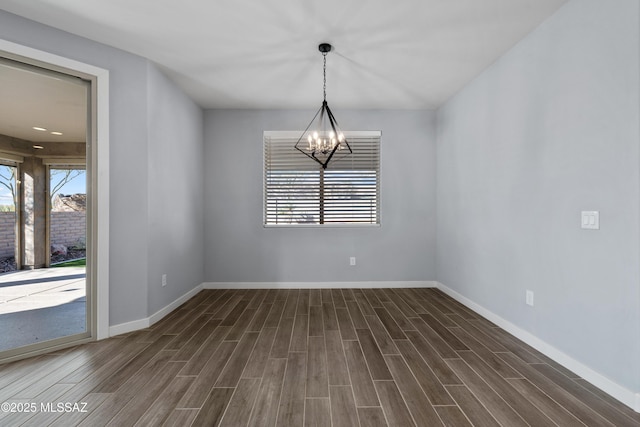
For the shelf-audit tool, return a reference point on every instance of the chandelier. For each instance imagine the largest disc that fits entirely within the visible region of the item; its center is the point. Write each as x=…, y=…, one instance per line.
x=323, y=140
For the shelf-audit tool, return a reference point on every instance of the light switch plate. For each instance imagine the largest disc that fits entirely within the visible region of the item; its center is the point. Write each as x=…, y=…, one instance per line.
x=590, y=220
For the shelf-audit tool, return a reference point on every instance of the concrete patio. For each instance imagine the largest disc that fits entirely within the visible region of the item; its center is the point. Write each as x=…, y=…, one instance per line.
x=40, y=305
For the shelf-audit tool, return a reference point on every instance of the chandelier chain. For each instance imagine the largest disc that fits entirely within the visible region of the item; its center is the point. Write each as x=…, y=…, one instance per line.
x=324, y=72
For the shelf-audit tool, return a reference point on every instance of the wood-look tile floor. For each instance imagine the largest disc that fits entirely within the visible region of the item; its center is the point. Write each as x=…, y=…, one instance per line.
x=350, y=357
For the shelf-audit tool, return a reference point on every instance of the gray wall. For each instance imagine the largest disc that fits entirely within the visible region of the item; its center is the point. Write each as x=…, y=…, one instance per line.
x=239, y=249
x=134, y=142
x=551, y=129
x=175, y=171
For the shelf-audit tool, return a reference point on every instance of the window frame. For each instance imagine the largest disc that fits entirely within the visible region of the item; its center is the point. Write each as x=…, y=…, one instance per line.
x=293, y=136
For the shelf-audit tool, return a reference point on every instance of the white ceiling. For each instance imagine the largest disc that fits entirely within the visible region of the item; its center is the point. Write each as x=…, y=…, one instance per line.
x=405, y=54
x=46, y=100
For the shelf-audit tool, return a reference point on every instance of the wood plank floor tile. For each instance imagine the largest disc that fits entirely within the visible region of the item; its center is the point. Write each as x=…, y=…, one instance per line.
x=452, y=416
x=291, y=408
x=241, y=403
x=485, y=354
x=198, y=340
x=375, y=360
x=393, y=405
x=425, y=377
x=345, y=325
x=138, y=405
x=273, y=320
x=258, y=321
x=315, y=297
x=326, y=295
x=500, y=410
x=133, y=366
x=433, y=359
x=282, y=340
x=444, y=332
x=291, y=304
x=160, y=410
x=181, y=418
x=416, y=400
x=508, y=341
x=348, y=295
x=591, y=400
x=570, y=402
x=485, y=338
x=363, y=388
x=303, y=302
x=241, y=325
x=201, y=387
x=363, y=303
x=372, y=417
x=317, y=413
x=187, y=334
x=408, y=299
x=370, y=295
x=547, y=405
x=311, y=357
x=214, y=407
x=610, y=400
x=238, y=360
x=400, y=302
x=225, y=310
x=336, y=360
x=197, y=360
x=397, y=315
x=526, y=410
x=266, y=407
x=92, y=400
x=356, y=315
x=395, y=332
x=300, y=333
x=329, y=317
x=338, y=299
x=343, y=408
x=316, y=328
x=436, y=341
x=471, y=406
x=385, y=343
x=317, y=371
x=258, y=359
x=258, y=298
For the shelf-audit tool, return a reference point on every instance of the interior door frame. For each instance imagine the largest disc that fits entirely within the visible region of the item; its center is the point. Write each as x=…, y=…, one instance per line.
x=98, y=159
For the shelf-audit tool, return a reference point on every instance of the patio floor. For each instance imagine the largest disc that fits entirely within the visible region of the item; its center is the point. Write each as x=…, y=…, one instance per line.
x=40, y=305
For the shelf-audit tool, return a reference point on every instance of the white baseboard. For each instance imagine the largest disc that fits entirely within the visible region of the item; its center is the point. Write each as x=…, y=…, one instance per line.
x=135, y=325
x=124, y=328
x=615, y=390
x=319, y=285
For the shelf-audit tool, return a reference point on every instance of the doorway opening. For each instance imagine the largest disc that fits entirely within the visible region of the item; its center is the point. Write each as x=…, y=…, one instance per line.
x=45, y=138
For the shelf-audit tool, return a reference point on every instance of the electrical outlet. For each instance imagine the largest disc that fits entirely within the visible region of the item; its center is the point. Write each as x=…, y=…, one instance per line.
x=164, y=280
x=352, y=261
x=590, y=220
x=529, y=298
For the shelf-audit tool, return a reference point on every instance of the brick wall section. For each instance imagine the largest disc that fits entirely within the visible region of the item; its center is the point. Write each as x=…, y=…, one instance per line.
x=7, y=234
x=66, y=229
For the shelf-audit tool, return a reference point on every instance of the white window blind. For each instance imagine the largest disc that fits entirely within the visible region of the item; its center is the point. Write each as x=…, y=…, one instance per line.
x=297, y=191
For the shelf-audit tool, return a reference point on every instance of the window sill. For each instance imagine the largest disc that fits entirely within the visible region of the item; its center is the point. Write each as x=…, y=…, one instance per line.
x=321, y=225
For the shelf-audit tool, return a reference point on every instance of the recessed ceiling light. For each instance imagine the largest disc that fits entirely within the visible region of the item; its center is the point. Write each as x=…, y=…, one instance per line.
x=40, y=129
x=56, y=133
x=38, y=147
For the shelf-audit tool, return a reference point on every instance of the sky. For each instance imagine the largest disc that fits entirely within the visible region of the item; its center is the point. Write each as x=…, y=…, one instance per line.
x=77, y=185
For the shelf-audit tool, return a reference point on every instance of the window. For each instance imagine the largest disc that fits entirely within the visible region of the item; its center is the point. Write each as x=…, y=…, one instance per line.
x=297, y=191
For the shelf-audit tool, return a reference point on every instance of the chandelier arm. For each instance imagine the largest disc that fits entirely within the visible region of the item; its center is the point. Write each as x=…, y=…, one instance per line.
x=335, y=126
x=312, y=155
